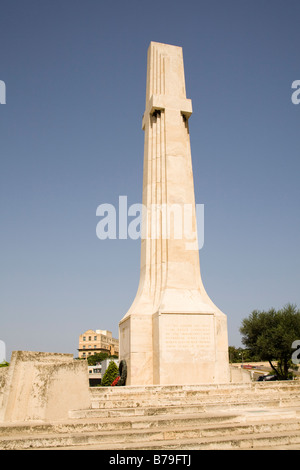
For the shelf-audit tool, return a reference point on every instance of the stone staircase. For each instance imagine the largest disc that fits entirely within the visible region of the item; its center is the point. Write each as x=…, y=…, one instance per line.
x=255, y=415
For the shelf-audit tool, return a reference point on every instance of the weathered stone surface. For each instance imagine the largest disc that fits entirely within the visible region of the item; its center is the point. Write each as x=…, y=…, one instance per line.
x=183, y=417
x=43, y=386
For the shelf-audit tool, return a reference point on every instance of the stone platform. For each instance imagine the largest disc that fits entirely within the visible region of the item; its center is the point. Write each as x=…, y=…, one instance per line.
x=255, y=415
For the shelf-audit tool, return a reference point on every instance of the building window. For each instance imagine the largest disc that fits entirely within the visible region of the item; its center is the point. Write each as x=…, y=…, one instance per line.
x=95, y=338
x=83, y=339
x=90, y=338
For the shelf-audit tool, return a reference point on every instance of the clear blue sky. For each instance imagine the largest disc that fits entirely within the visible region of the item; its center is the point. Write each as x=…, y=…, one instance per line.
x=71, y=139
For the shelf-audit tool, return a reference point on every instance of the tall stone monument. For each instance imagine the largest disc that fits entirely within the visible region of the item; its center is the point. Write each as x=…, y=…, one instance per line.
x=173, y=333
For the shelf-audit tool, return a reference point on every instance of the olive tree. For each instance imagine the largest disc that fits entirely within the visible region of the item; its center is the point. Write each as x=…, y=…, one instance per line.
x=270, y=336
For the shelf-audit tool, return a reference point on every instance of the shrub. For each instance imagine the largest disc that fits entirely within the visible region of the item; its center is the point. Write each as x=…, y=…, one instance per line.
x=110, y=374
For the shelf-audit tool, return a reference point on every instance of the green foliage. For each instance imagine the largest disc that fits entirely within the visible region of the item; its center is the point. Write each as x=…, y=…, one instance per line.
x=111, y=373
x=269, y=335
x=4, y=364
x=241, y=355
x=95, y=358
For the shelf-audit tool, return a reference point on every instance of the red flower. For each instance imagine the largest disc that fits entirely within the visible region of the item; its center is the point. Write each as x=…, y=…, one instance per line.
x=115, y=381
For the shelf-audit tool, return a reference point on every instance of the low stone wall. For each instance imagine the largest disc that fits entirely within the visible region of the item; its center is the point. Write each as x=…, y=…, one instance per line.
x=3, y=377
x=42, y=387
x=239, y=375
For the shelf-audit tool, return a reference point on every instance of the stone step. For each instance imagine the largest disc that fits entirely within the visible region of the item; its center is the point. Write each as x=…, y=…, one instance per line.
x=142, y=398
x=92, y=424
x=192, y=436
x=159, y=400
x=149, y=400
x=117, y=393
x=191, y=398
x=269, y=441
x=117, y=424
x=163, y=401
x=156, y=410
x=136, y=411
x=157, y=407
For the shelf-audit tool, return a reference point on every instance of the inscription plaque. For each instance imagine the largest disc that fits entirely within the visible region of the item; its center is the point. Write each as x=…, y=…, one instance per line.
x=194, y=335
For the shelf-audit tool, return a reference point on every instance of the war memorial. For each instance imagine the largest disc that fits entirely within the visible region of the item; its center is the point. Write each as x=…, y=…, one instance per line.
x=172, y=320
x=180, y=391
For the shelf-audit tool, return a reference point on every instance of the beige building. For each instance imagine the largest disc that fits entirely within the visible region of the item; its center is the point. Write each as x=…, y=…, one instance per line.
x=93, y=342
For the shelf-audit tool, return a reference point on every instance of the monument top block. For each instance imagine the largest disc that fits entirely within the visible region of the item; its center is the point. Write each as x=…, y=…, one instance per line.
x=165, y=80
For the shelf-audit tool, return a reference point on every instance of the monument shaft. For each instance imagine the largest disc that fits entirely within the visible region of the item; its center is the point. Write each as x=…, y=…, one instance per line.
x=173, y=333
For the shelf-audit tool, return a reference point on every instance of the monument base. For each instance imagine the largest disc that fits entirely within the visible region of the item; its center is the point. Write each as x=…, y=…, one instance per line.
x=190, y=349
x=135, y=333
x=175, y=348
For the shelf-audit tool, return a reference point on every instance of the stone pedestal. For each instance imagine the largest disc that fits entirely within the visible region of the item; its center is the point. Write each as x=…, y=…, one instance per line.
x=173, y=333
